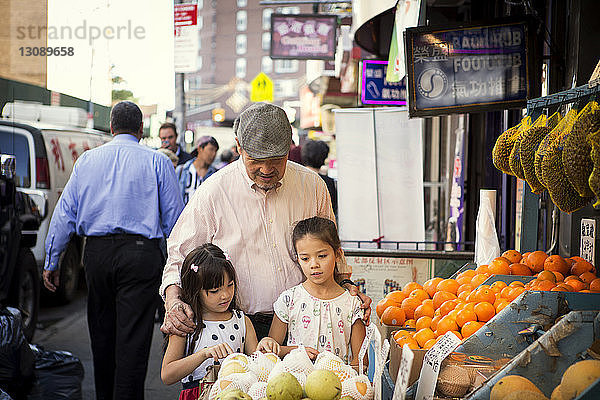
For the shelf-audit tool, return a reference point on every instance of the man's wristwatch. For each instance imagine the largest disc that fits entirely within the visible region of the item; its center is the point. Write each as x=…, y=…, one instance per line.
x=344, y=281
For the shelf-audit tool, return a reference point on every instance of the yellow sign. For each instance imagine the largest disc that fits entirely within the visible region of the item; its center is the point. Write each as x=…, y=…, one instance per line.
x=262, y=88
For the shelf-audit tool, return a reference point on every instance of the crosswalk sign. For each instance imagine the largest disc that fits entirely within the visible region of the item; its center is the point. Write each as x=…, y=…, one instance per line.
x=261, y=88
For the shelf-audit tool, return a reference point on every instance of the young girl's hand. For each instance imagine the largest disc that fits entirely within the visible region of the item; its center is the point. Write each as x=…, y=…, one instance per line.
x=312, y=353
x=268, y=345
x=218, y=351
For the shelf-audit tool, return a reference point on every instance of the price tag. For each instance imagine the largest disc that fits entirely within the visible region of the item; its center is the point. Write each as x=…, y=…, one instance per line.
x=588, y=239
x=431, y=365
x=403, y=373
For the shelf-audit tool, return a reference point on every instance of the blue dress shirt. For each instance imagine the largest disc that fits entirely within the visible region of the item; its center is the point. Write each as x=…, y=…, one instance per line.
x=119, y=187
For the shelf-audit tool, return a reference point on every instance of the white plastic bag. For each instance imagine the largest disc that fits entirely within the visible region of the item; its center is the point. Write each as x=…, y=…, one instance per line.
x=487, y=246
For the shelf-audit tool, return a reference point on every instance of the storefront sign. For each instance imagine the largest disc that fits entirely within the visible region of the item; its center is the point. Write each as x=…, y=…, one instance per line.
x=467, y=69
x=303, y=36
x=588, y=240
x=186, y=38
x=375, y=87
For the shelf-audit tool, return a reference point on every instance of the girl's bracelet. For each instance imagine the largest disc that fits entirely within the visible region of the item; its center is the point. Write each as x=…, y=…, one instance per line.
x=344, y=281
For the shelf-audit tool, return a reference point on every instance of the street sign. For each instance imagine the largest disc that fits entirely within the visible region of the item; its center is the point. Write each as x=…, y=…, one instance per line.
x=261, y=88
x=375, y=87
x=186, y=38
x=470, y=68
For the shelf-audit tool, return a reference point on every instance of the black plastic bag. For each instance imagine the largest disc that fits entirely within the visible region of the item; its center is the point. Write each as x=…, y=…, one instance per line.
x=57, y=376
x=16, y=358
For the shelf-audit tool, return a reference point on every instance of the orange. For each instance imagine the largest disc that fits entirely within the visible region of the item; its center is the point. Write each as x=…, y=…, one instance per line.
x=458, y=335
x=499, y=266
x=427, y=302
x=557, y=263
x=595, y=285
x=431, y=285
x=574, y=259
x=560, y=288
x=397, y=296
x=559, y=277
x=462, y=288
x=410, y=323
x=515, y=292
x=485, y=311
x=410, y=341
x=446, y=324
x=448, y=285
x=463, y=279
x=469, y=273
x=429, y=344
x=434, y=322
x=547, y=276
x=516, y=283
x=423, y=322
x=567, y=286
x=441, y=297
x=410, y=286
x=479, y=279
x=409, y=305
x=424, y=310
x=535, y=260
x=453, y=314
x=422, y=336
x=448, y=306
x=383, y=304
x=482, y=269
x=524, y=258
x=470, y=328
x=399, y=334
x=505, y=292
x=393, y=316
x=419, y=294
x=512, y=255
x=484, y=294
x=544, y=285
x=498, y=286
x=465, y=316
x=520, y=269
x=464, y=294
x=576, y=284
x=587, y=277
x=579, y=267
x=501, y=306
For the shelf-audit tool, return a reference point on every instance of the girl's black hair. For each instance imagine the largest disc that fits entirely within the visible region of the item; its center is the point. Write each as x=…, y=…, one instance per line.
x=321, y=228
x=213, y=269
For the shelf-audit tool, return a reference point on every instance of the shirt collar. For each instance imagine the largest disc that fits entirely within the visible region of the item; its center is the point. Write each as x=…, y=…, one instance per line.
x=178, y=151
x=251, y=184
x=125, y=137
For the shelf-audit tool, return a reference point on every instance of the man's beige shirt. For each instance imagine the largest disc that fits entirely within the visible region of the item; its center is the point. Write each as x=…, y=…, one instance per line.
x=253, y=227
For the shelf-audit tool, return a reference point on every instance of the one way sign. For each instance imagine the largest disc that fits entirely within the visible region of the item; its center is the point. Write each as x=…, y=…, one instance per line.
x=262, y=88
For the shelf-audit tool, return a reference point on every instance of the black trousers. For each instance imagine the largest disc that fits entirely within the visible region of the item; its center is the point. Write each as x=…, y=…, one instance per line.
x=123, y=274
x=261, y=323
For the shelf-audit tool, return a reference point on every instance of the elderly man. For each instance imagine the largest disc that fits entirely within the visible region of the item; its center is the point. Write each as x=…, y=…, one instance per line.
x=248, y=208
x=195, y=171
x=168, y=139
x=123, y=198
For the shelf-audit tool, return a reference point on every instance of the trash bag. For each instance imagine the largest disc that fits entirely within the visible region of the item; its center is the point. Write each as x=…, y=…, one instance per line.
x=16, y=358
x=57, y=376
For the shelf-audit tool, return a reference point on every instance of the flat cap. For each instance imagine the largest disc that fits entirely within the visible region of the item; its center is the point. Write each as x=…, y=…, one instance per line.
x=264, y=131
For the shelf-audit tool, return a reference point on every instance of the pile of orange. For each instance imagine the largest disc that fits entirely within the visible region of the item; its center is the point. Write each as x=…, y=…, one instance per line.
x=463, y=305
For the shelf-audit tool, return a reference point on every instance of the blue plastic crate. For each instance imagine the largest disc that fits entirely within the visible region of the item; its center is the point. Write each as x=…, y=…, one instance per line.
x=545, y=360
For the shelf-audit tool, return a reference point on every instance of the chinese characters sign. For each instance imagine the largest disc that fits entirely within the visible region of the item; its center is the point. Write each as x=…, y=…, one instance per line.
x=467, y=69
x=587, y=244
x=376, y=89
x=302, y=36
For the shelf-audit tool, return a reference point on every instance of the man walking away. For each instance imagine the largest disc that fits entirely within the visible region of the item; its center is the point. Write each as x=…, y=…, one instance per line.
x=123, y=197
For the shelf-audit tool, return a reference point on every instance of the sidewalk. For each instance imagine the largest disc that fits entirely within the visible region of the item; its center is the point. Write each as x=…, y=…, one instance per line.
x=71, y=334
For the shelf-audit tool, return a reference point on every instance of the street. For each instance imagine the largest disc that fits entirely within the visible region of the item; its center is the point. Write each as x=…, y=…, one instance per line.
x=65, y=328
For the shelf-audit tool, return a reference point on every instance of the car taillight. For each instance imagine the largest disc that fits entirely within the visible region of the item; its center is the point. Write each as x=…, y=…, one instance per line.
x=42, y=173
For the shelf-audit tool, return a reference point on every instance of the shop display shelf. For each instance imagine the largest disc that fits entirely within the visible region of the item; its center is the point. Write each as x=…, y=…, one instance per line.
x=507, y=279
x=545, y=360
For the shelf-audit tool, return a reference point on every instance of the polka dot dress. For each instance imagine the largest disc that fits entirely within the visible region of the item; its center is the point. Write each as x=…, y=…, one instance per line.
x=232, y=332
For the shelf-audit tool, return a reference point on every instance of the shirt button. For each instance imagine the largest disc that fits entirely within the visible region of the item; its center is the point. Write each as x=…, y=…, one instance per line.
x=274, y=245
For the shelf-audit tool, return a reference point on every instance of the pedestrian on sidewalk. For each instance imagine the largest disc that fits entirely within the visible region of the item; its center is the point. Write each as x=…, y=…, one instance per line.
x=195, y=171
x=123, y=197
x=249, y=208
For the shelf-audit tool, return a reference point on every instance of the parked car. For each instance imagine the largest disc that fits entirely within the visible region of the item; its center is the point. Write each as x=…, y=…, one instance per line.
x=47, y=140
x=19, y=221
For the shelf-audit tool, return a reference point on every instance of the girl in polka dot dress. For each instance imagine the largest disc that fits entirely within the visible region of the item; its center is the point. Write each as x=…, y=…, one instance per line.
x=208, y=284
x=318, y=314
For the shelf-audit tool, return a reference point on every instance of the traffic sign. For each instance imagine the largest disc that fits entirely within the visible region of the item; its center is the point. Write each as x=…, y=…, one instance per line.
x=261, y=88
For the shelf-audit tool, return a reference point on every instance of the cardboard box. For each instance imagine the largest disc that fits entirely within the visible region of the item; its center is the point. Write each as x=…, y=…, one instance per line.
x=396, y=356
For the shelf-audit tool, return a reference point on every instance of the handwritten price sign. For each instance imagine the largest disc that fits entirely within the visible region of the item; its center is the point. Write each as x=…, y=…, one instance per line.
x=431, y=365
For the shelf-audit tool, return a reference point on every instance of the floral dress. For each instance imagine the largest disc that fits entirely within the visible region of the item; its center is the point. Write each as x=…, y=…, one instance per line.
x=324, y=325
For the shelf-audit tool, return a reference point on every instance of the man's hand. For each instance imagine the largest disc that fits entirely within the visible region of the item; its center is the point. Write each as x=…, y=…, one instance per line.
x=268, y=345
x=366, y=301
x=218, y=352
x=312, y=353
x=179, y=317
x=51, y=279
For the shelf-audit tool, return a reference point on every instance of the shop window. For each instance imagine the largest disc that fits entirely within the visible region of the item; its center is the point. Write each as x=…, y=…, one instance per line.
x=242, y=3
x=283, y=88
x=241, y=44
x=288, y=10
x=266, y=18
x=286, y=66
x=241, y=20
x=266, y=65
x=240, y=68
x=266, y=40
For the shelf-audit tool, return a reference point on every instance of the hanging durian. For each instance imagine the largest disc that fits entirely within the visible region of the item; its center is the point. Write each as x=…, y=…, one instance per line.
x=515, y=154
x=504, y=145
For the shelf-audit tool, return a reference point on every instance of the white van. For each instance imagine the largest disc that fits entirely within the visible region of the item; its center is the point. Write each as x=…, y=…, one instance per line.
x=45, y=154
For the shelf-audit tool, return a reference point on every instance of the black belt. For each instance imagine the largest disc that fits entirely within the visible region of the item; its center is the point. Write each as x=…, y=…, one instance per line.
x=122, y=236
